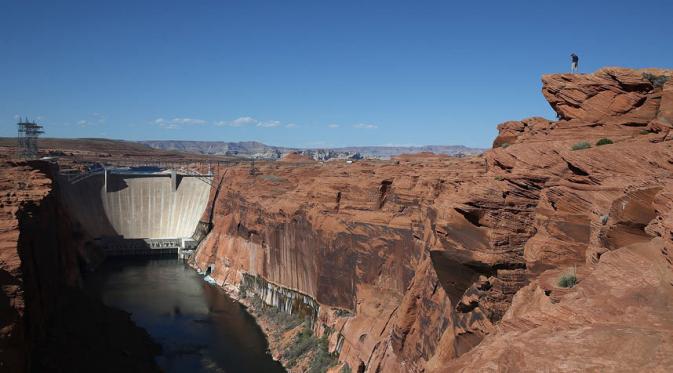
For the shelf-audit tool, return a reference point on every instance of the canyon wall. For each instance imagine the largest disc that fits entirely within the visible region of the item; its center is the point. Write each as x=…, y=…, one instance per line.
x=46, y=322
x=37, y=258
x=432, y=263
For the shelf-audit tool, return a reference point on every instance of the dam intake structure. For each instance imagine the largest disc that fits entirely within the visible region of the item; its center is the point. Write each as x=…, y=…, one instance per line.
x=137, y=210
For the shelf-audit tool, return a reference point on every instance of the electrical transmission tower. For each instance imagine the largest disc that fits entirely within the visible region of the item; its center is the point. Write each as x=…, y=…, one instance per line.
x=28, y=132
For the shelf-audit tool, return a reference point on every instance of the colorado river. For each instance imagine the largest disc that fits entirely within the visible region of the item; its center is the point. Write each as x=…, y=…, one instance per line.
x=198, y=326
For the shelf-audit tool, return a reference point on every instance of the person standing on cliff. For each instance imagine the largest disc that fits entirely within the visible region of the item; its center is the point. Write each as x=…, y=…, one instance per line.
x=575, y=62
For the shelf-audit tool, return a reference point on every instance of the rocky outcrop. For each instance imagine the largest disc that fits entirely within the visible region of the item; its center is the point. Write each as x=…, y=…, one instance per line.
x=19, y=185
x=612, y=96
x=617, y=319
x=46, y=322
x=426, y=263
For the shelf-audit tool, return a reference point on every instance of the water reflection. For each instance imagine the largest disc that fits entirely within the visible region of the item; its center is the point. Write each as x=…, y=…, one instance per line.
x=199, y=327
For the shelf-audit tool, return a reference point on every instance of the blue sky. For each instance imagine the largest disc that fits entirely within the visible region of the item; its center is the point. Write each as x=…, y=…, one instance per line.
x=306, y=73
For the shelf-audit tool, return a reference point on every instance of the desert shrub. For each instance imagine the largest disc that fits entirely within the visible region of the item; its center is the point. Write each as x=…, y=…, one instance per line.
x=604, y=219
x=304, y=342
x=345, y=368
x=581, y=145
x=645, y=132
x=657, y=80
x=343, y=313
x=322, y=359
x=257, y=304
x=604, y=141
x=242, y=290
x=504, y=145
x=568, y=280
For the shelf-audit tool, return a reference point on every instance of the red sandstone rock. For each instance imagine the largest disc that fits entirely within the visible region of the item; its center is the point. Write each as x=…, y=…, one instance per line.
x=617, y=319
x=19, y=184
x=426, y=253
x=46, y=323
x=609, y=96
x=665, y=114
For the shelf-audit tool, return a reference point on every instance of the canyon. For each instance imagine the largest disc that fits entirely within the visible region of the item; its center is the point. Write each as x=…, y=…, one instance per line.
x=433, y=263
x=420, y=263
x=46, y=322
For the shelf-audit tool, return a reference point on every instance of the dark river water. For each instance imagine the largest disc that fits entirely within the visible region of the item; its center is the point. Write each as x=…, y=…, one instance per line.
x=198, y=326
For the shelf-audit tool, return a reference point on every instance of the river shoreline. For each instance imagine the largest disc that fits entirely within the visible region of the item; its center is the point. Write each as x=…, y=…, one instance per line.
x=232, y=291
x=281, y=330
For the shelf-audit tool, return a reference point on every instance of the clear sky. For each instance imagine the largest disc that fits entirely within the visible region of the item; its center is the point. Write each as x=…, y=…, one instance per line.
x=307, y=73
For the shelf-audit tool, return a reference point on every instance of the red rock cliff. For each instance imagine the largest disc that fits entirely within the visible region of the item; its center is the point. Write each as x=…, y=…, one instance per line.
x=430, y=263
x=46, y=323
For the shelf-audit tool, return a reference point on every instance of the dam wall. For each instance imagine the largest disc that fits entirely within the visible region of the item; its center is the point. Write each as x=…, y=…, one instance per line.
x=136, y=206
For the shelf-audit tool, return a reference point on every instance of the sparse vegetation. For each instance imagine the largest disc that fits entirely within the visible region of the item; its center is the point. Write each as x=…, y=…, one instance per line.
x=242, y=290
x=657, y=81
x=322, y=360
x=345, y=369
x=343, y=313
x=305, y=342
x=645, y=132
x=604, y=141
x=283, y=321
x=499, y=177
x=568, y=280
x=504, y=145
x=305, y=348
x=604, y=219
x=581, y=145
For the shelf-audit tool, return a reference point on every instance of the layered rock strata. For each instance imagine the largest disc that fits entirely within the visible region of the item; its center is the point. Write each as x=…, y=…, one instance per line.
x=432, y=263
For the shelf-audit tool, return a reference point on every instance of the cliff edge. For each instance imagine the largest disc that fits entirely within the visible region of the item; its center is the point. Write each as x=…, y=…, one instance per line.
x=431, y=263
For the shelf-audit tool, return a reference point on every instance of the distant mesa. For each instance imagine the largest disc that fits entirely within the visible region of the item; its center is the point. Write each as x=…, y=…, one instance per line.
x=258, y=150
x=296, y=157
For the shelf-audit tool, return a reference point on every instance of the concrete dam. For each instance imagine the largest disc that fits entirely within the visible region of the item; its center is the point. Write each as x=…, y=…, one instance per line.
x=134, y=212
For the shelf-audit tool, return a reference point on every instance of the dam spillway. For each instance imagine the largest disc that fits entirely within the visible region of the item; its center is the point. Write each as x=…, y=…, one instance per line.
x=135, y=209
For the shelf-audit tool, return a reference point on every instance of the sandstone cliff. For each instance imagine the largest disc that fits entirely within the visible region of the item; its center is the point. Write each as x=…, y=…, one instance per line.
x=46, y=322
x=431, y=263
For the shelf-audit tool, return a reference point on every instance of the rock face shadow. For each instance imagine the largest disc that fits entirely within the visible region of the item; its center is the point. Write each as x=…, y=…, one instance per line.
x=454, y=277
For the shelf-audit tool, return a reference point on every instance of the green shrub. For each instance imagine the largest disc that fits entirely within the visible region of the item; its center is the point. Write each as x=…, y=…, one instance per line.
x=504, y=145
x=322, y=360
x=645, y=132
x=258, y=305
x=581, y=145
x=604, y=141
x=345, y=369
x=304, y=342
x=657, y=81
x=343, y=313
x=568, y=280
x=242, y=290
